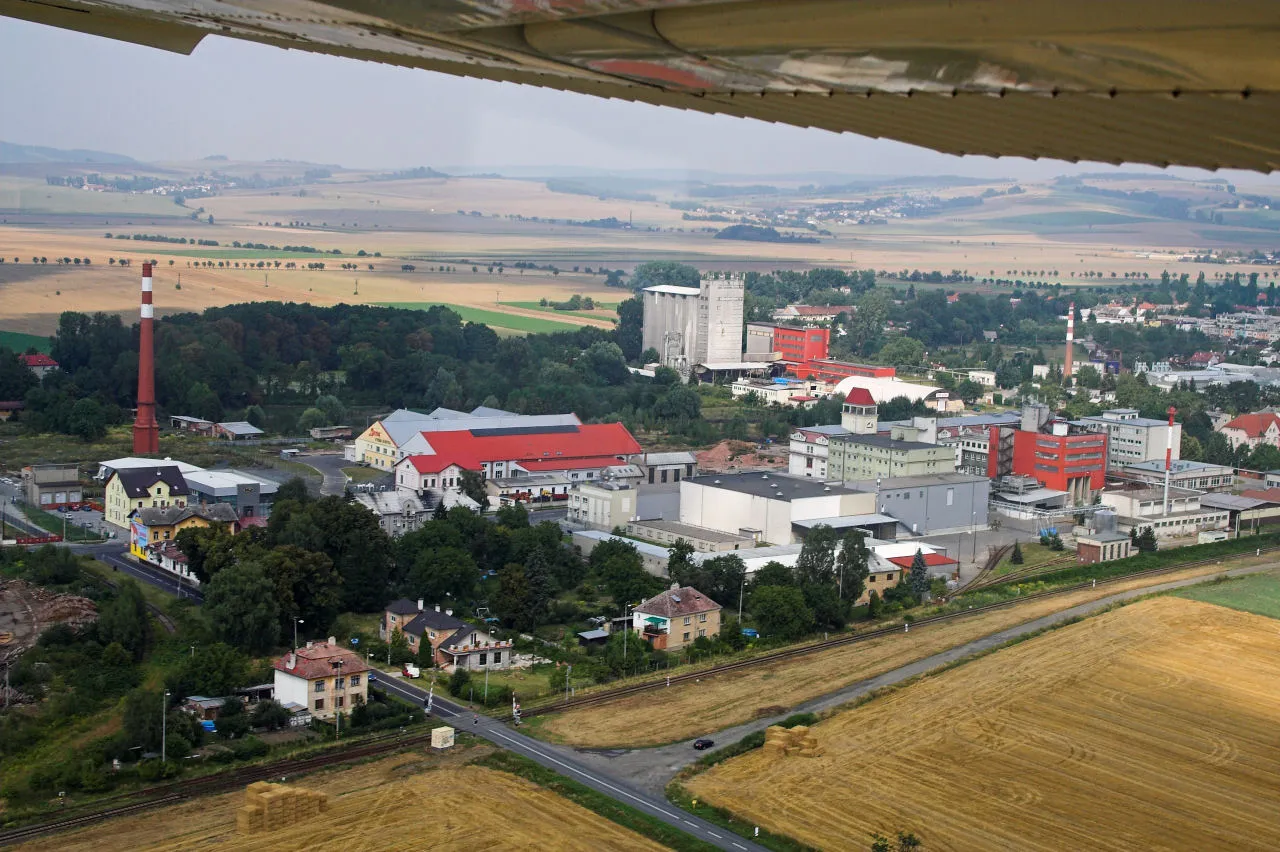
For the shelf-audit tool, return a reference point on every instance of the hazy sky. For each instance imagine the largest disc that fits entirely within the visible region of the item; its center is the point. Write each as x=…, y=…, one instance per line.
x=254, y=102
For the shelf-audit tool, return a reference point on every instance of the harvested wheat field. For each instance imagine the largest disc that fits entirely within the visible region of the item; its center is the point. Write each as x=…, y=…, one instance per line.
x=375, y=807
x=694, y=709
x=1149, y=727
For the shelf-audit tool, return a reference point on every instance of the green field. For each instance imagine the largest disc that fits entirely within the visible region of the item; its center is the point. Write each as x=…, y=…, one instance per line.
x=497, y=319
x=27, y=196
x=1065, y=219
x=534, y=306
x=363, y=474
x=19, y=342
x=1257, y=593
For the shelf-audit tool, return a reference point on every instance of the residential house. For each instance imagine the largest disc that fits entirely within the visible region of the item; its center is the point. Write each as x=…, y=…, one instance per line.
x=158, y=486
x=1250, y=430
x=38, y=363
x=398, y=512
x=150, y=527
x=453, y=642
x=323, y=678
x=676, y=618
x=51, y=486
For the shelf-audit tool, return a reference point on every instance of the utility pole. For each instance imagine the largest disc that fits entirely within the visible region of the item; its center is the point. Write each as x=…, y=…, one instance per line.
x=626, y=628
x=486, y=686
x=164, y=720
x=567, y=669
x=741, y=590
x=297, y=621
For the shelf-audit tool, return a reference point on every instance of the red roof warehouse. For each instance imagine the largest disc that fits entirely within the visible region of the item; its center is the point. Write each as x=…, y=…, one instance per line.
x=596, y=445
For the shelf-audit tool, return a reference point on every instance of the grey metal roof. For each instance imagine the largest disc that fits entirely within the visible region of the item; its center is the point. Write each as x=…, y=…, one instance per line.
x=1176, y=466
x=775, y=486
x=1101, y=537
x=823, y=430
x=240, y=427
x=690, y=531
x=920, y=481
x=1233, y=502
x=844, y=522
x=642, y=547
x=1035, y=495
x=589, y=635
x=216, y=512
x=885, y=442
x=665, y=458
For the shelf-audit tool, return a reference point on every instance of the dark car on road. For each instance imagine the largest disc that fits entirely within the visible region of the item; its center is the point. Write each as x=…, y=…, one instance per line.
x=703, y=744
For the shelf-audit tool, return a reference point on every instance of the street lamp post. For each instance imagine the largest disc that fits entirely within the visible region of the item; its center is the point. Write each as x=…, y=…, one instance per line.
x=164, y=721
x=296, y=622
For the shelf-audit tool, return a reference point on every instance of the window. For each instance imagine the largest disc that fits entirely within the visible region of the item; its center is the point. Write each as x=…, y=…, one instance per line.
x=355, y=681
x=337, y=702
x=888, y=577
x=701, y=633
x=686, y=636
x=688, y=620
x=320, y=685
x=484, y=659
x=339, y=683
x=664, y=476
x=871, y=578
x=497, y=657
x=319, y=703
x=702, y=618
x=951, y=496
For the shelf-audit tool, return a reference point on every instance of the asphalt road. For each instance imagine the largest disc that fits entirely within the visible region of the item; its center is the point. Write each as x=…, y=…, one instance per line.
x=328, y=465
x=564, y=762
x=113, y=554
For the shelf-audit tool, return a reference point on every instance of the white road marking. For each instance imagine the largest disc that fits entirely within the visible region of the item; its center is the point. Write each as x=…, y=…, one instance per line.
x=740, y=846
x=575, y=769
x=694, y=824
x=713, y=834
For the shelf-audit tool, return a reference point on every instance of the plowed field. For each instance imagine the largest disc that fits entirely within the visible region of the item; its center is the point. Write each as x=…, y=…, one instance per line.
x=1150, y=727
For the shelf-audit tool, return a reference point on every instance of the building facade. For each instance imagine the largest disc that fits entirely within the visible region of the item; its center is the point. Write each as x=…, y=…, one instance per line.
x=324, y=678
x=250, y=496
x=137, y=488
x=1133, y=439
x=766, y=506
x=52, y=486
x=602, y=505
x=809, y=450
x=852, y=457
x=658, y=468
x=1250, y=430
x=1138, y=508
x=1200, y=476
x=701, y=539
x=676, y=618
x=933, y=505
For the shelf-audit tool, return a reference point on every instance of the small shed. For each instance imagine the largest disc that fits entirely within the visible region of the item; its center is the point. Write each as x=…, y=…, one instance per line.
x=587, y=638
x=203, y=708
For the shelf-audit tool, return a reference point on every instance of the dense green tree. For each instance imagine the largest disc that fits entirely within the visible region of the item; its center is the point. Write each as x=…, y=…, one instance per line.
x=1016, y=557
x=622, y=573
x=307, y=585
x=88, y=420
x=853, y=566
x=1146, y=540
x=918, y=577
x=438, y=573
x=773, y=573
x=781, y=612
x=125, y=619
x=513, y=591
x=631, y=328
x=213, y=670
x=472, y=484
x=817, y=560
x=240, y=603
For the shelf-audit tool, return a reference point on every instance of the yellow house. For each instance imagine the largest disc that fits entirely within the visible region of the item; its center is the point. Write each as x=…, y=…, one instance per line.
x=376, y=448
x=139, y=488
x=150, y=528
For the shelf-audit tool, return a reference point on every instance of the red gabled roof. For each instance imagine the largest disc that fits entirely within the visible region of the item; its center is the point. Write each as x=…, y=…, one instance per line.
x=438, y=462
x=587, y=441
x=1254, y=425
x=860, y=396
x=541, y=465
x=932, y=560
x=38, y=360
x=318, y=661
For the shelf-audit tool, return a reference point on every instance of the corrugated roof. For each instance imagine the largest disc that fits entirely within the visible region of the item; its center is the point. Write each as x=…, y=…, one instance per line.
x=587, y=441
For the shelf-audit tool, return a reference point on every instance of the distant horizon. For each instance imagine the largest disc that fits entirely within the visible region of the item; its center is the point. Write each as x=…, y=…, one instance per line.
x=254, y=102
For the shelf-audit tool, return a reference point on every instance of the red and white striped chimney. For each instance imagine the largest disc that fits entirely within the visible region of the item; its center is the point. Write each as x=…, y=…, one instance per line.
x=146, y=431
x=1168, y=458
x=1071, y=336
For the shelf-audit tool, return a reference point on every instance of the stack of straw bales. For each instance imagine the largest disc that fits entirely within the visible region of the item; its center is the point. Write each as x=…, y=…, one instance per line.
x=786, y=742
x=271, y=806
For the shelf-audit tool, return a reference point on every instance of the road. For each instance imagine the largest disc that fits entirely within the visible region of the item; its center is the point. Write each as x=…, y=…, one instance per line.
x=565, y=762
x=113, y=554
x=329, y=466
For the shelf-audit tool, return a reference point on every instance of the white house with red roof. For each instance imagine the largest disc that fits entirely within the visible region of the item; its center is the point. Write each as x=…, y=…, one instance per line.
x=579, y=453
x=1251, y=430
x=38, y=363
x=323, y=678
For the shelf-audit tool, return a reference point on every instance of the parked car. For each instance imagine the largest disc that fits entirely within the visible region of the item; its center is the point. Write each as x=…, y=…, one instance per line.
x=410, y=670
x=86, y=508
x=751, y=633
x=209, y=726
x=703, y=744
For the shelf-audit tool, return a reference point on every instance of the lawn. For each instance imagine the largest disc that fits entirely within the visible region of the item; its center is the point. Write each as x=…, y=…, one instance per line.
x=536, y=306
x=57, y=524
x=363, y=474
x=515, y=322
x=1257, y=593
x=1033, y=555
x=19, y=342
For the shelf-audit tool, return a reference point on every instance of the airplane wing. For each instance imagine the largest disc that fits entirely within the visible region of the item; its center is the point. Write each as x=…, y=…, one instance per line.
x=1165, y=82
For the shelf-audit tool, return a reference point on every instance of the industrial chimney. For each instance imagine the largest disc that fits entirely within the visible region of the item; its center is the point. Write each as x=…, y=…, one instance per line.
x=1168, y=458
x=146, y=432
x=1071, y=336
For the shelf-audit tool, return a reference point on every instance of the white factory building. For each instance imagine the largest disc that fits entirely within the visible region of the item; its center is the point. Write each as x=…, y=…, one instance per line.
x=1134, y=439
x=692, y=327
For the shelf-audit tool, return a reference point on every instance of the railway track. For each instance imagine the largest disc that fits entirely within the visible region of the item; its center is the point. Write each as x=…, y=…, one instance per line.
x=990, y=565
x=615, y=694
x=1027, y=573
x=168, y=794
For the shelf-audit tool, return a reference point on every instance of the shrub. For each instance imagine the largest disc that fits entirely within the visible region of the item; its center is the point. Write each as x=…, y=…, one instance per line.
x=458, y=682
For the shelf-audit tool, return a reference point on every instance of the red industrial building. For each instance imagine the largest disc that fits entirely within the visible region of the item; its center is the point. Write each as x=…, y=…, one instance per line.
x=805, y=353
x=827, y=370
x=1062, y=456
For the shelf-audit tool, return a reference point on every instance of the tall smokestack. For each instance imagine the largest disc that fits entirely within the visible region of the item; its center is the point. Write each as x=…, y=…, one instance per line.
x=146, y=432
x=1071, y=336
x=1168, y=458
